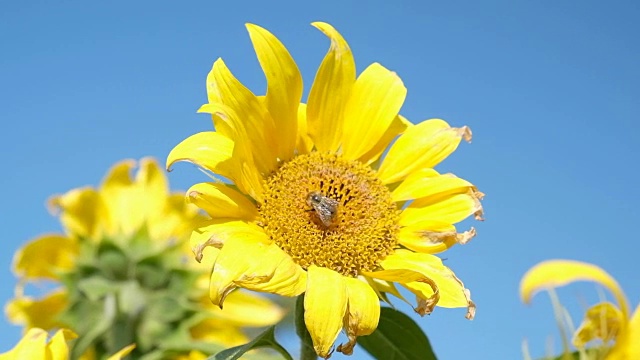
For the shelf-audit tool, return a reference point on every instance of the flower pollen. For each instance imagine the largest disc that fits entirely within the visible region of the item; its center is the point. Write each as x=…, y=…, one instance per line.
x=326, y=211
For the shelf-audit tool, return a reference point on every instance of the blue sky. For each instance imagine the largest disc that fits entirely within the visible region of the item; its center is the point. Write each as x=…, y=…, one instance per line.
x=549, y=88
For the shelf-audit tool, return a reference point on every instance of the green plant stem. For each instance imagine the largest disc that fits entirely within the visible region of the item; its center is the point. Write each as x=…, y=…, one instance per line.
x=558, y=312
x=306, y=344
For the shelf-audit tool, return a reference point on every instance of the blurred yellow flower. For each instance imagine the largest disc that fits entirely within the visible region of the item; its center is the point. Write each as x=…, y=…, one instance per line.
x=604, y=321
x=34, y=346
x=313, y=206
x=124, y=273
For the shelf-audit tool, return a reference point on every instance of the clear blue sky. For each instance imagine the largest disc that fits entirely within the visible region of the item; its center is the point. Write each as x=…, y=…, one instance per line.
x=551, y=90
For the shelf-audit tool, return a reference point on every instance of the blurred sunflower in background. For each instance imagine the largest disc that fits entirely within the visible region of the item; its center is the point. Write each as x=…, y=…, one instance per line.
x=608, y=331
x=121, y=274
x=304, y=200
x=34, y=346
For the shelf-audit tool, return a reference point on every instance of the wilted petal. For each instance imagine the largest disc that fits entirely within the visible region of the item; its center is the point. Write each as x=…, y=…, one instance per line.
x=449, y=288
x=432, y=237
x=325, y=304
x=236, y=266
x=217, y=231
x=363, y=312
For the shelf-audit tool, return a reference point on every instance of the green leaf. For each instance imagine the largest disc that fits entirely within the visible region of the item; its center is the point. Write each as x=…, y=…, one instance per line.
x=266, y=339
x=307, y=351
x=397, y=337
x=96, y=287
x=96, y=329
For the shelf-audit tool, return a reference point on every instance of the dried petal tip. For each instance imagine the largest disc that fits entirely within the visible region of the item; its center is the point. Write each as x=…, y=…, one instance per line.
x=466, y=236
x=347, y=348
x=199, y=248
x=471, y=309
x=425, y=306
x=466, y=133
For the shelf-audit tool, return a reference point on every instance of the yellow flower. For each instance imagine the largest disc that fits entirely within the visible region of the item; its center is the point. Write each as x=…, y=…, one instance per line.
x=125, y=252
x=604, y=321
x=34, y=346
x=314, y=207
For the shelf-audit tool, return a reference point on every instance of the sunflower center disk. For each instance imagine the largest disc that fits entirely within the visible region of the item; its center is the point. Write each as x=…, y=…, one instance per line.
x=326, y=211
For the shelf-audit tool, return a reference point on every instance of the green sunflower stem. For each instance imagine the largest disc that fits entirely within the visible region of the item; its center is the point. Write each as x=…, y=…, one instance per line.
x=306, y=344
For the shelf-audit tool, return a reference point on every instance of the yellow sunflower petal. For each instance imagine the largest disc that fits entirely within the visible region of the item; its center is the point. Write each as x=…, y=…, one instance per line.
x=82, y=212
x=219, y=332
x=245, y=173
x=602, y=321
x=556, y=273
x=123, y=198
x=325, y=304
x=215, y=232
x=375, y=100
x=284, y=87
x=41, y=313
x=627, y=345
x=259, y=126
x=451, y=290
x=242, y=309
x=432, y=237
x=404, y=276
x=448, y=209
x=427, y=183
x=304, y=144
x=236, y=266
x=330, y=91
x=58, y=345
x=220, y=200
x=210, y=150
x=122, y=352
x=32, y=346
x=424, y=145
x=363, y=312
x=397, y=127
x=45, y=257
x=176, y=221
x=382, y=287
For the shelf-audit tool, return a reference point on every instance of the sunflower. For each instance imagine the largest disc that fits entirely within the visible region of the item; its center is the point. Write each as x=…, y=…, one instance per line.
x=318, y=199
x=34, y=346
x=123, y=273
x=605, y=322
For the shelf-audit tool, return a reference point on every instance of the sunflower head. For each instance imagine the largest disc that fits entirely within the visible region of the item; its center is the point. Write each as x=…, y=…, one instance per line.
x=122, y=273
x=336, y=198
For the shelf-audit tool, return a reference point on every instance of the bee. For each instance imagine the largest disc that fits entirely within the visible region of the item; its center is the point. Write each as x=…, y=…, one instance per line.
x=325, y=207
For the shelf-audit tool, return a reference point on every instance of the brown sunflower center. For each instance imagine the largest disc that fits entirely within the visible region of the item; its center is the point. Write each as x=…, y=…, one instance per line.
x=326, y=211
